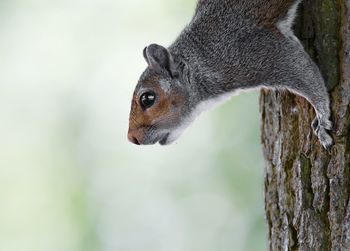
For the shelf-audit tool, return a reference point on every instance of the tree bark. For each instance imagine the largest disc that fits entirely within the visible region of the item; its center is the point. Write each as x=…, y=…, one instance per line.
x=307, y=189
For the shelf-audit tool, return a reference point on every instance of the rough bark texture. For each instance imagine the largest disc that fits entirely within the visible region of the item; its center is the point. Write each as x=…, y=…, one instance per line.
x=307, y=189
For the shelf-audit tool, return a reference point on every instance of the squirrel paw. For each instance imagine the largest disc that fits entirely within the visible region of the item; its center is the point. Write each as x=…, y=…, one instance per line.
x=321, y=131
x=325, y=139
x=326, y=124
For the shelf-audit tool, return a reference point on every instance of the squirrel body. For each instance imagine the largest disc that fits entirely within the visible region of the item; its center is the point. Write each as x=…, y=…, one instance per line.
x=229, y=45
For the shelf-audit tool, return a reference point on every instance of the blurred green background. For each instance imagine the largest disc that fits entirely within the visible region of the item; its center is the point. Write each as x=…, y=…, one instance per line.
x=70, y=181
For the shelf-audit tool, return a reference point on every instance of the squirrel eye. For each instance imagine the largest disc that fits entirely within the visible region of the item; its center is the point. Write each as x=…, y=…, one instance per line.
x=147, y=99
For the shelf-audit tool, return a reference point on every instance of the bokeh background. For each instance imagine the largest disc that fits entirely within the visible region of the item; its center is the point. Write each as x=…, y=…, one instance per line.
x=70, y=181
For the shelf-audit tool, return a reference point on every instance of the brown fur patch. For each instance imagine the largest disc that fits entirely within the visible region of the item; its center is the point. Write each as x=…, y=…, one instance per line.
x=268, y=13
x=164, y=111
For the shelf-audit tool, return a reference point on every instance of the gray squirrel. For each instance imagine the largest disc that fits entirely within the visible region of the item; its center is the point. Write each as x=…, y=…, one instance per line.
x=229, y=45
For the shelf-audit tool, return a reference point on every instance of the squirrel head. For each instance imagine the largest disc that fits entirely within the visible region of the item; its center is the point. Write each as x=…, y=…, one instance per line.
x=160, y=101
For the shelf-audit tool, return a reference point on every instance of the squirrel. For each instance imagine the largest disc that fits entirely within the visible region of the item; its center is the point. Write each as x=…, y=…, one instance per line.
x=229, y=45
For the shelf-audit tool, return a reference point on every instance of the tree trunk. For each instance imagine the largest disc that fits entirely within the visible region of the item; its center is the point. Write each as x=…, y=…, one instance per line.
x=307, y=189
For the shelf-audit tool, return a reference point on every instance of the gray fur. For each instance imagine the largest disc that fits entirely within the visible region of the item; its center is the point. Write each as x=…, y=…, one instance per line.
x=225, y=48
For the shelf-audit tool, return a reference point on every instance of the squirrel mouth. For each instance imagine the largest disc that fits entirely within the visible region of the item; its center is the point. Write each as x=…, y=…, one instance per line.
x=164, y=140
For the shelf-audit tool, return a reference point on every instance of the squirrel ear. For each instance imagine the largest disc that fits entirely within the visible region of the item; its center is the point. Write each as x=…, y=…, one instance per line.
x=159, y=59
x=145, y=54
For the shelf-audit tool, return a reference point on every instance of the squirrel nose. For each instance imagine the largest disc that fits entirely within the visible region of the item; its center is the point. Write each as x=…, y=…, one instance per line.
x=132, y=138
